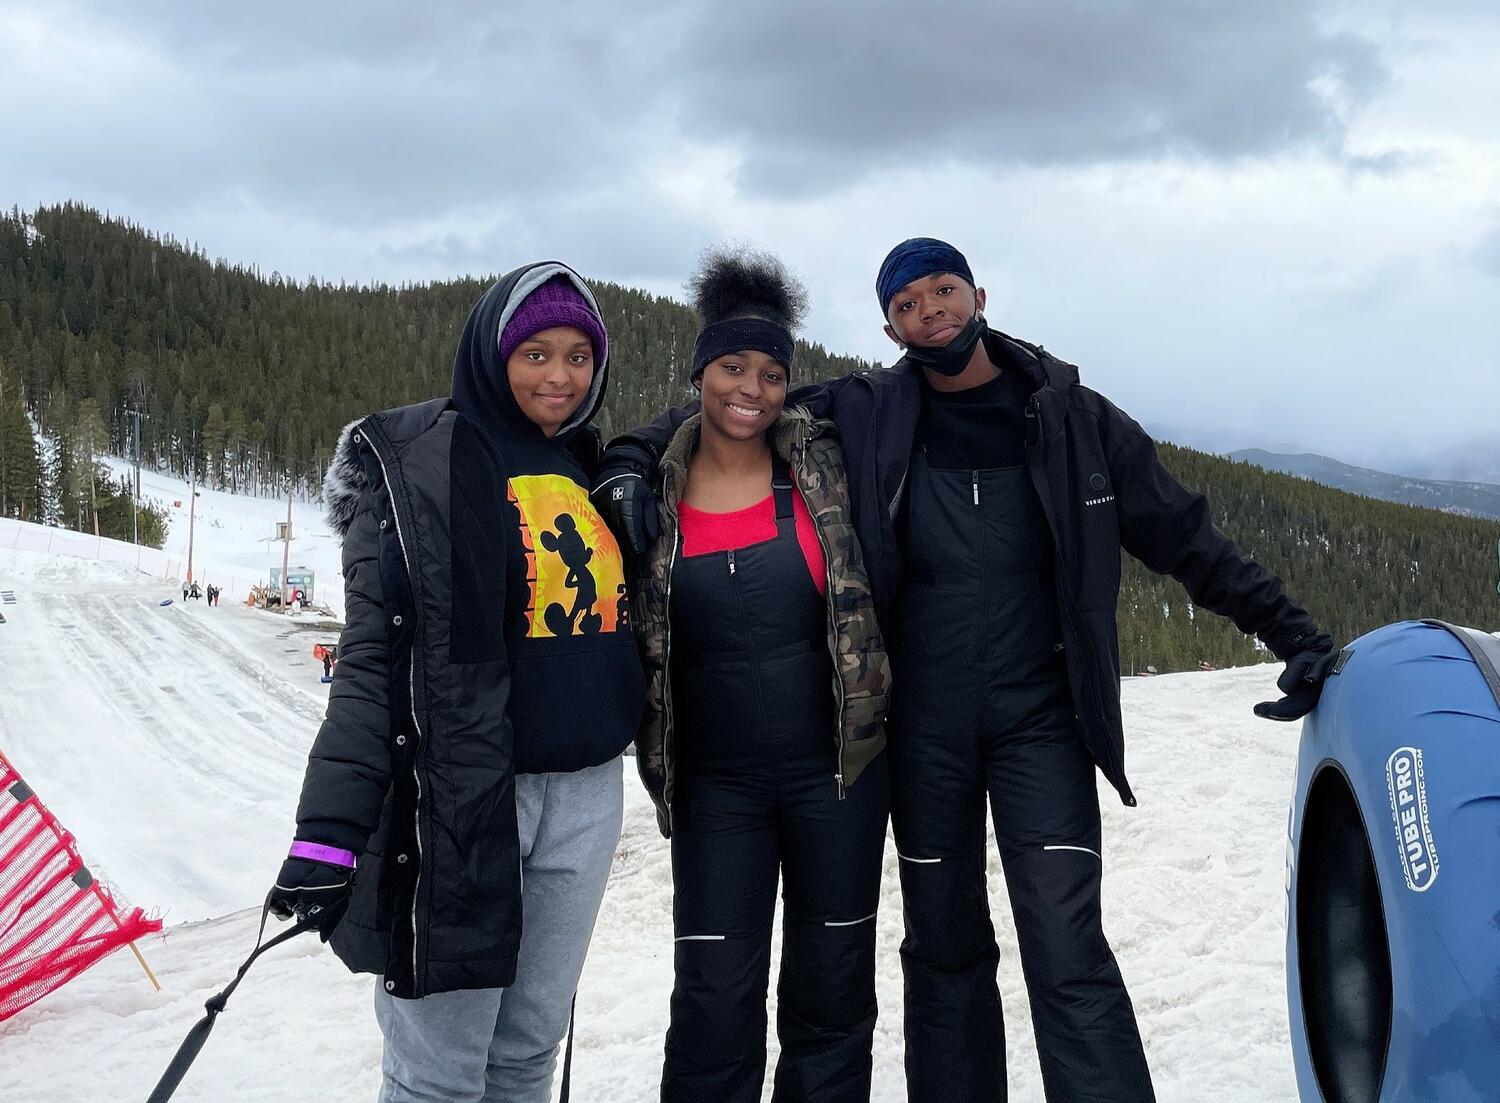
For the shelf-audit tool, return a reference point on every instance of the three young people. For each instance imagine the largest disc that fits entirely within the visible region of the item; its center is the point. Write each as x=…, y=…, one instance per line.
x=461, y=807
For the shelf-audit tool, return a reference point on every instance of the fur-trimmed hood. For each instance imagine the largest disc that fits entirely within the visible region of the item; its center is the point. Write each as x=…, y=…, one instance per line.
x=344, y=482
x=347, y=476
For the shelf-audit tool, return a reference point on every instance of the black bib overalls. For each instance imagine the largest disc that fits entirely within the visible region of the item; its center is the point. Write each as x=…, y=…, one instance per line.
x=982, y=708
x=753, y=705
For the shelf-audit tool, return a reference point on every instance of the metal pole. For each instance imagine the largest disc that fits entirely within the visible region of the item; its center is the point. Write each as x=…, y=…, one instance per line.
x=192, y=511
x=135, y=498
x=286, y=542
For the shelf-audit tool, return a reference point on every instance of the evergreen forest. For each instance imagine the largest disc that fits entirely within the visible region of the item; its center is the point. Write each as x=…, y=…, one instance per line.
x=243, y=379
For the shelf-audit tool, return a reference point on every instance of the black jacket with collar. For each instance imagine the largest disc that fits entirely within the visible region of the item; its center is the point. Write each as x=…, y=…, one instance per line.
x=413, y=767
x=451, y=676
x=1102, y=488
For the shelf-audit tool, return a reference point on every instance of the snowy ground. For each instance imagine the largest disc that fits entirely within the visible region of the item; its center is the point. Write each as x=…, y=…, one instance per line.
x=165, y=735
x=171, y=741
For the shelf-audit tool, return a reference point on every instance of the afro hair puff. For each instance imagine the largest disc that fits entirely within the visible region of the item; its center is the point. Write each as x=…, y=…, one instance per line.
x=737, y=282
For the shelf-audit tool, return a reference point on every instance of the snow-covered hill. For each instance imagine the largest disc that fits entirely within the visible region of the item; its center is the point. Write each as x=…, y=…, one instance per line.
x=171, y=740
x=159, y=735
x=234, y=535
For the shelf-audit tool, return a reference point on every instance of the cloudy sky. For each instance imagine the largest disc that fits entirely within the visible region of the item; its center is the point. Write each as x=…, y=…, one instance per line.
x=1272, y=223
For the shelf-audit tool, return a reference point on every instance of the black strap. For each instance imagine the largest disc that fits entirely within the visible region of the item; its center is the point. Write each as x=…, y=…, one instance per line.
x=567, y=1077
x=781, y=491
x=1484, y=648
x=187, y=1053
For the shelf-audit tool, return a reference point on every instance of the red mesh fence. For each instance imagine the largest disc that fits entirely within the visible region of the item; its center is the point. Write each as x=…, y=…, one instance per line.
x=55, y=919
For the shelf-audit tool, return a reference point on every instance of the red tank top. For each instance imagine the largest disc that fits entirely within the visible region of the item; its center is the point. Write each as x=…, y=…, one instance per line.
x=704, y=533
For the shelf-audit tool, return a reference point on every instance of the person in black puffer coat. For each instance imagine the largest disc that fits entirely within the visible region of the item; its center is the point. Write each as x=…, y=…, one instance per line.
x=463, y=797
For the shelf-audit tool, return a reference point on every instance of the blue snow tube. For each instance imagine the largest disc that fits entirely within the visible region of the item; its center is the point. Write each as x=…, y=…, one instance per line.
x=1393, y=877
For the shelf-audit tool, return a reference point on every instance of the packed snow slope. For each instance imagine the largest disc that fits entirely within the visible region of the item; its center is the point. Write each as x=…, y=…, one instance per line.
x=167, y=738
x=171, y=741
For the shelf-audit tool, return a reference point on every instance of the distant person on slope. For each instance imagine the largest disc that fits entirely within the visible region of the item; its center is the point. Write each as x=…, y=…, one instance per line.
x=762, y=741
x=464, y=796
x=992, y=495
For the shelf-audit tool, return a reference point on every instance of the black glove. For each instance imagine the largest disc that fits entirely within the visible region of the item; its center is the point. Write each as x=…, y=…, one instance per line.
x=1302, y=682
x=312, y=889
x=624, y=497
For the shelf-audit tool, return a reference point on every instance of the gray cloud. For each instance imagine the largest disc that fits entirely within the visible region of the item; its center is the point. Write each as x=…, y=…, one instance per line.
x=1487, y=251
x=627, y=235
x=398, y=113
x=820, y=94
x=400, y=109
x=1220, y=191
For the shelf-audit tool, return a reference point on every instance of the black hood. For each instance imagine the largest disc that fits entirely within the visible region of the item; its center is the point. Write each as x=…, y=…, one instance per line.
x=1041, y=369
x=481, y=391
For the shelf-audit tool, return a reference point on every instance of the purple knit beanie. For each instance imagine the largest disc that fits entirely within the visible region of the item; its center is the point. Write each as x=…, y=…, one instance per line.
x=556, y=303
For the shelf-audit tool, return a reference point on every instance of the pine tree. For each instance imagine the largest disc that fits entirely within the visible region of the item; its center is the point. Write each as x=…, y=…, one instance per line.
x=213, y=444
x=90, y=440
x=20, y=464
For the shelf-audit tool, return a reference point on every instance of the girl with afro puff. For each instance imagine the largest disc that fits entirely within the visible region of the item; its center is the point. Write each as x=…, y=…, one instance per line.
x=762, y=740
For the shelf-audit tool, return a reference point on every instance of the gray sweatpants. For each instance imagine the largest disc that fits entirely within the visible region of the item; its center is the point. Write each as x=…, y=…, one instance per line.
x=499, y=1045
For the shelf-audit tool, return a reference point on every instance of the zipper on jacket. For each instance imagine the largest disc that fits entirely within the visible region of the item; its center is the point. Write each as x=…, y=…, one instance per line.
x=731, y=561
x=411, y=689
x=1091, y=675
x=984, y=575
x=895, y=506
x=666, y=686
x=839, y=697
x=1064, y=590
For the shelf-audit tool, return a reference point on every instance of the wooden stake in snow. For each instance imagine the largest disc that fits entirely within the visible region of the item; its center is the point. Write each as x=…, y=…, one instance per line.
x=149, y=974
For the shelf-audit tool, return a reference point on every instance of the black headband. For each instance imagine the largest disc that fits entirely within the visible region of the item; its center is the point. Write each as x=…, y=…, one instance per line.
x=739, y=334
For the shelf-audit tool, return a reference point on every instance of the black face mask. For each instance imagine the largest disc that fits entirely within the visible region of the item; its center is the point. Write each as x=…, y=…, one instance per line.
x=952, y=358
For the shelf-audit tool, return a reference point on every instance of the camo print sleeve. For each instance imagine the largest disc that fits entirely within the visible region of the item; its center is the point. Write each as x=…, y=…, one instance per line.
x=649, y=613
x=863, y=666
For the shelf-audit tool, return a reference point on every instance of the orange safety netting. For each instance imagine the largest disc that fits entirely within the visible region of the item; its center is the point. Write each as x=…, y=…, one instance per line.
x=55, y=919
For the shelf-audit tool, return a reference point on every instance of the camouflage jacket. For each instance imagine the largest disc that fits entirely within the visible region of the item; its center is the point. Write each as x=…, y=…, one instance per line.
x=862, y=669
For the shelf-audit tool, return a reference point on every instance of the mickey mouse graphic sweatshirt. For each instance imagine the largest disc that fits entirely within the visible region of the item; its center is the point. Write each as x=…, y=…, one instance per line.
x=577, y=689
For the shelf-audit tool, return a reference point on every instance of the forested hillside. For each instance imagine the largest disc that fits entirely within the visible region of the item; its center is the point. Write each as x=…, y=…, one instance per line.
x=248, y=374
x=247, y=377
x=1355, y=562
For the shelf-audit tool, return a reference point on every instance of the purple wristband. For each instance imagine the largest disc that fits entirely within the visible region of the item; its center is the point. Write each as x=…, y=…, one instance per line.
x=317, y=852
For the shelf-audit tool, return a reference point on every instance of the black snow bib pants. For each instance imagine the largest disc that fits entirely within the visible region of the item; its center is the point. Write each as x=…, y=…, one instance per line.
x=753, y=703
x=982, y=708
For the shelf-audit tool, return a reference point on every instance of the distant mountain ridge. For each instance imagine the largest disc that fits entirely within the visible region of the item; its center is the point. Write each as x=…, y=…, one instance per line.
x=1468, y=499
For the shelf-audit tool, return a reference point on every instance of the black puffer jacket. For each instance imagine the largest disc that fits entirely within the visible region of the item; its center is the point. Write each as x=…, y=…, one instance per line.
x=412, y=769
x=452, y=677
x=1102, y=488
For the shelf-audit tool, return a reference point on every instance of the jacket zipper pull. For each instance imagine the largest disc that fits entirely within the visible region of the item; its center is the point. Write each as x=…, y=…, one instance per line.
x=976, y=487
x=839, y=780
x=731, y=562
